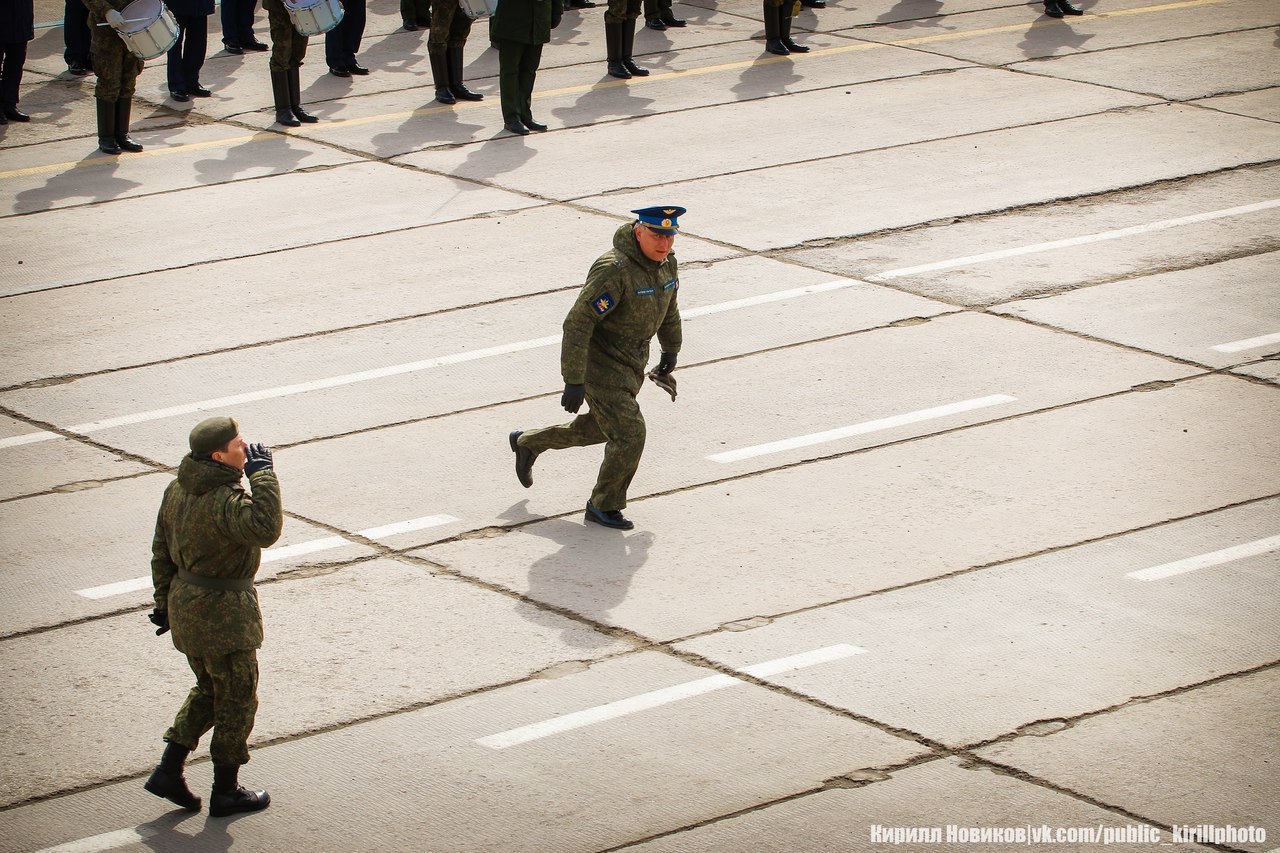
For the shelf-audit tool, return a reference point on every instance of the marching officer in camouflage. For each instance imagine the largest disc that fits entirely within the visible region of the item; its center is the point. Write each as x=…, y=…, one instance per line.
x=629, y=296
x=117, y=71
x=208, y=544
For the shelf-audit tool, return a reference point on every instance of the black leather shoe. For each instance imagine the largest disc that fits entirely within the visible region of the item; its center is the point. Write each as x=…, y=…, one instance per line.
x=172, y=788
x=517, y=128
x=254, y=44
x=528, y=122
x=14, y=114
x=654, y=24
x=180, y=97
x=671, y=21
x=238, y=799
x=199, y=92
x=617, y=69
x=232, y=48
x=1051, y=9
x=814, y=4
x=410, y=26
x=613, y=518
x=524, y=460
x=1067, y=9
x=581, y=4
x=339, y=72
x=78, y=69
x=357, y=69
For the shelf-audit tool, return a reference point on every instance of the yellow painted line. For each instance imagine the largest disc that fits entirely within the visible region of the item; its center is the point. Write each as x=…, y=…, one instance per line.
x=608, y=84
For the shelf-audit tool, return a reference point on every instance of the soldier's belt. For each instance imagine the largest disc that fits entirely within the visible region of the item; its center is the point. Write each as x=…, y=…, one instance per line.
x=231, y=584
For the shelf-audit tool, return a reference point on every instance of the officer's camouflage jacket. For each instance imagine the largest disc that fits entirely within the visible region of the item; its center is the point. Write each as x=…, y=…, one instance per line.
x=209, y=526
x=626, y=300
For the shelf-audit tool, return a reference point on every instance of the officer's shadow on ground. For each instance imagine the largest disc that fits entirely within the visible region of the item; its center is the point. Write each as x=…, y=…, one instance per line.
x=587, y=576
x=166, y=833
x=1055, y=38
x=88, y=180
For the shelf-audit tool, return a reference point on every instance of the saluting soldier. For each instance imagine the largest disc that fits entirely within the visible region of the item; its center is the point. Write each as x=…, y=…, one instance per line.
x=117, y=70
x=207, y=548
x=628, y=298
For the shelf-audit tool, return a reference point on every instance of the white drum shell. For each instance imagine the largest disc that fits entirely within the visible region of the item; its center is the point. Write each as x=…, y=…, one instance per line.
x=149, y=29
x=474, y=9
x=314, y=17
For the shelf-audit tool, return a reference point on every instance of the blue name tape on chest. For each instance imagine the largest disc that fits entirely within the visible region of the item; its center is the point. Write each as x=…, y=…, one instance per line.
x=645, y=291
x=671, y=284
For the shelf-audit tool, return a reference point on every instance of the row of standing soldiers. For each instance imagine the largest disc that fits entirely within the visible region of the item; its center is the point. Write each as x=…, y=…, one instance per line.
x=518, y=29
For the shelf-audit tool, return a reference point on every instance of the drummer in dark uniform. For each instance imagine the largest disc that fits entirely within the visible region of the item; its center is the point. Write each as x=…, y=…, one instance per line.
x=117, y=71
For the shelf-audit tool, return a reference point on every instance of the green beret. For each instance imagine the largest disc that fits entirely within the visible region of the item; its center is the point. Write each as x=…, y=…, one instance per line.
x=212, y=434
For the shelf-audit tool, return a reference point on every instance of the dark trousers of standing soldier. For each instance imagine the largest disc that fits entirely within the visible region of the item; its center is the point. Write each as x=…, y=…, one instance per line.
x=186, y=57
x=237, y=25
x=415, y=14
x=76, y=37
x=517, y=70
x=342, y=43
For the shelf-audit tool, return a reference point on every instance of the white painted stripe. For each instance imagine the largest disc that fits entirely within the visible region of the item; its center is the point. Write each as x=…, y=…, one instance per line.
x=665, y=696
x=1078, y=241
x=219, y=403
x=284, y=552
x=106, y=841
x=861, y=429
x=1204, y=561
x=1249, y=343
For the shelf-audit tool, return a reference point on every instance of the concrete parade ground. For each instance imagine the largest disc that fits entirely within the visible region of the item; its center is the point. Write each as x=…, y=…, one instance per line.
x=963, y=533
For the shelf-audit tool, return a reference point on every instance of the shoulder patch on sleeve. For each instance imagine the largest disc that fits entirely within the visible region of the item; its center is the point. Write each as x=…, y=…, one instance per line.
x=604, y=304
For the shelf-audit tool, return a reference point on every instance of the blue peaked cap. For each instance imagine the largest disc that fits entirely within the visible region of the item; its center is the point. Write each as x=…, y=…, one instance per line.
x=664, y=220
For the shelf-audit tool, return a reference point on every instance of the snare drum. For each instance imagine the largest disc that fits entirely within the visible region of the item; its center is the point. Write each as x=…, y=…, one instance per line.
x=149, y=29
x=314, y=17
x=475, y=9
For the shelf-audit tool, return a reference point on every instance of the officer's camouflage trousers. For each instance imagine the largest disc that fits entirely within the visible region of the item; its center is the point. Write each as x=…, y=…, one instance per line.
x=224, y=699
x=613, y=418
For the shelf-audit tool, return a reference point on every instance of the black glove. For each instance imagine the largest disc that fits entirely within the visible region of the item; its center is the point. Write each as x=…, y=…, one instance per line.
x=160, y=618
x=666, y=364
x=555, y=21
x=572, y=397
x=259, y=459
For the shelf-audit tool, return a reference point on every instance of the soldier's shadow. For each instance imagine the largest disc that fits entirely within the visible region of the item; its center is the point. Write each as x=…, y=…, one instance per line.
x=588, y=576
x=164, y=834
x=93, y=179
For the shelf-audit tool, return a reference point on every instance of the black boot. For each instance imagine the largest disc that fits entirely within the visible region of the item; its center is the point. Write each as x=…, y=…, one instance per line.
x=107, y=128
x=613, y=43
x=1051, y=9
x=295, y=99
x=123, y=107
x=440, y=73
x=168, y=782
x=1067, y=9
x=628, y=45
x=784, y=30
x=229, y=798
x=456, y=86
x=772, y=39
x=280, y=91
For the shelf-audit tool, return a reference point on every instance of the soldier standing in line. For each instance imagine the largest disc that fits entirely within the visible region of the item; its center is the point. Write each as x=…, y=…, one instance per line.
x=117, y=70
x=620, y=37
x=207, y=548
x=658, y=16
x=777, y=28
x=415, y=14
x=288, y=47
x=519, y=29
x=450, y=27
x=629, y=296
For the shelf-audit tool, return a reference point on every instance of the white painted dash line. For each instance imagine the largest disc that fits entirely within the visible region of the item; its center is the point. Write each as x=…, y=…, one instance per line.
x=861, y=429
x=1204, y=561
x=284, y=552
x=105, y=841
x=1249, y=343
x=665, y=696
x=1077, y=241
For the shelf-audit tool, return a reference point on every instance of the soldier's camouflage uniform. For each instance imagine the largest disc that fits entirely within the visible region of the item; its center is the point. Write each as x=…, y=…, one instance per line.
x=208, y=544
x=621, y=11
x=116, y=67
x=288, y=46
x=626, y=300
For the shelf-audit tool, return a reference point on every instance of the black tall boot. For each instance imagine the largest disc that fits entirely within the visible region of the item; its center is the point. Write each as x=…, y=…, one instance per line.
x=229, y=798
x=628, y=45
x=456, y=87
x=772, y=39
x=107, y=128
x=295, y=98
x=1051, y=9
x=1066, y=8
x=280, y=91
x=440, y=73
x=168, y=782
x=613, y=43
x=784, y=29
x=123, y=107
